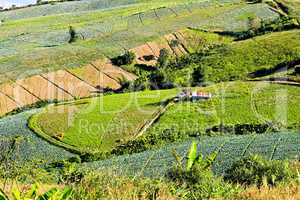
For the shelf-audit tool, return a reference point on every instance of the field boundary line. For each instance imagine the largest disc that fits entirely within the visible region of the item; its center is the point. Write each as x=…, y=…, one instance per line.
x=145, y=165
x=31, y=93
x=181, y=43
x=56, y=85
x=106, y=74
x=84, y=81
x=248, y=145
x=275, y=148
x=33, y=125
x=219, y=148
x=291, y=83
x=11, y=98
x=151, y=49
x=154, y=119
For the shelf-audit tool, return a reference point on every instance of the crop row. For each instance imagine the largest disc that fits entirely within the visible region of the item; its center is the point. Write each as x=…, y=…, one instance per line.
x=28, y=146
x=230, y=149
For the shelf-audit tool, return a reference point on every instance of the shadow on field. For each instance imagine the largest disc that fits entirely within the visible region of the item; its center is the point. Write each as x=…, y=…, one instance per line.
x=278, y=68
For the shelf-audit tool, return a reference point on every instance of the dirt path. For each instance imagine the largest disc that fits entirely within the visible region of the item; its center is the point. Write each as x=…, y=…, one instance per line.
x=155, y=117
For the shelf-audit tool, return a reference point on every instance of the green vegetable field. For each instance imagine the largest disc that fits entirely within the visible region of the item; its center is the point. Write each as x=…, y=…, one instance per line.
x=230, y=148
x=29, y=147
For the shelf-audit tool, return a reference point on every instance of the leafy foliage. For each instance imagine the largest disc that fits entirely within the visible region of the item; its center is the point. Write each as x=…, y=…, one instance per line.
x=257, y=170
x=126, y=59
x=197, y=177
x=297, y=69
x=32, y=194
x=121, y=187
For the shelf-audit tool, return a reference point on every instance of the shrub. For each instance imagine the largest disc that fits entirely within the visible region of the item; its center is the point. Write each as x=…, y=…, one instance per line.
x=110, y=186
x=32, y=193
x=174, y=43
x=148, y=142
x=242, y=129
x=164, y=56
x=73, y=34
x=126, y=59
x=254, y=1
x=255, y=170
x=198, y=76
x=196, y=177
x=297, y=69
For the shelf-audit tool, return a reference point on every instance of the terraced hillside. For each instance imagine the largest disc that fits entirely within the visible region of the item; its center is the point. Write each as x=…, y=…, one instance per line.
x=95, y=92
x=102, y=123
x=39, y=48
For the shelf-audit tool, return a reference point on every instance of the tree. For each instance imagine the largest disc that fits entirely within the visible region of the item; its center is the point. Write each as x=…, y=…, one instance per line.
x=73, y=34
x=164, y=57
x=126, y=59
x=197, y=76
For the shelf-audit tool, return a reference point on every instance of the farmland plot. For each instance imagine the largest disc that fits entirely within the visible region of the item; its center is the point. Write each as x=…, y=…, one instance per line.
x=234, y=103
x=29, y=147
x=100, y=123
x=77, y=6
x=42, y=47
x=156, y=163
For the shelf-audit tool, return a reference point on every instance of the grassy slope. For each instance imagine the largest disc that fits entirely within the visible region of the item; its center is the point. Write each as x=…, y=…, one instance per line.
x=244, y=57
x=293, y=7
x=33, y=45
x=234, y=103
x=98, y=125
x=234, y=60
x=230, y=149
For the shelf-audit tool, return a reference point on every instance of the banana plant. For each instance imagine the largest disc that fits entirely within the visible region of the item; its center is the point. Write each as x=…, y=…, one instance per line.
x=193, y=157
x=32, y=194
x=197, y=158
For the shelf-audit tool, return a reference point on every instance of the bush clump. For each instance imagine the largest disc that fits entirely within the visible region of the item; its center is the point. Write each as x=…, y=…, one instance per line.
x=111, y=186
x=255, y=170
x=297, y=69
x=196, y=177
x=73, y=34
x=126, y=59
x=241, y=129
x=148, y=142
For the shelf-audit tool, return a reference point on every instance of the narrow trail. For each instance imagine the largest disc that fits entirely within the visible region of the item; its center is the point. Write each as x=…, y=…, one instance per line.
x=154, y=119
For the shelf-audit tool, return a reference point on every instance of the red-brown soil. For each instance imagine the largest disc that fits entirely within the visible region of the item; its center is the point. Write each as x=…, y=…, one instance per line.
x=18, y=93
x=95, y=77
x=69, y=83
x=44, y=89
